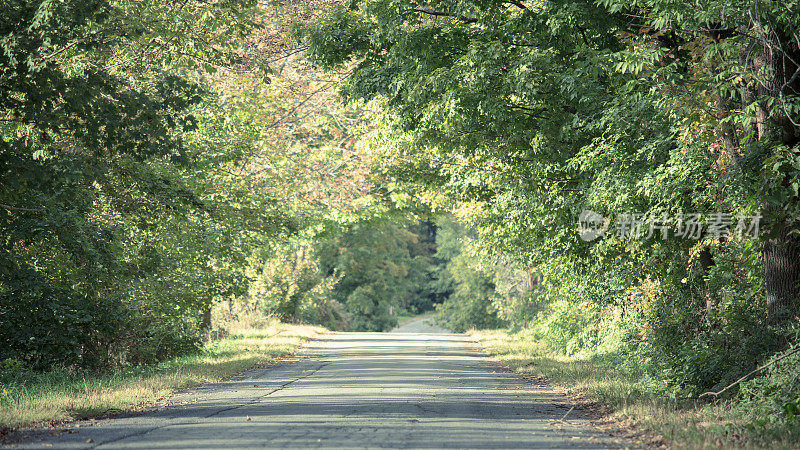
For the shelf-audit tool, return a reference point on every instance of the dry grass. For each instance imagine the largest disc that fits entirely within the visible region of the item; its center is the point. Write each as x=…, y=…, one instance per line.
x=618, y=398
x=57, y=397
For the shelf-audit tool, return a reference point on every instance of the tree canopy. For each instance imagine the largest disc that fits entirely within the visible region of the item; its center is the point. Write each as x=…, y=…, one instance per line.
x=615, y=178
x=657, y=116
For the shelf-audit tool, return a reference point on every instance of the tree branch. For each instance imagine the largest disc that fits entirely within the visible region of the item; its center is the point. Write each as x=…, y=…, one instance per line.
x=715, y=394
x=529, y=111
x=14, y=208
x=431, y=12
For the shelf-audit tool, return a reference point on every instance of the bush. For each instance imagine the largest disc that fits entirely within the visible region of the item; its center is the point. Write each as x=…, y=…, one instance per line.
x=291, y=287
x=369, y=310
x=472, y=303
x=773, y=397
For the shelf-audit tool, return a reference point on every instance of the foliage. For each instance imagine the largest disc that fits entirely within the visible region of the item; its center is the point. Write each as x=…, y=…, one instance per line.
x=773, y=398
x=517, y=116
x=469, y=288
x=291, y=287
x=145, y=163
x=380, y=268
x=94, y=193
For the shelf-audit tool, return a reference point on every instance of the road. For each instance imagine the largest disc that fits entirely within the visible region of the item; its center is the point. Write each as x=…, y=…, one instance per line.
x=416, y=387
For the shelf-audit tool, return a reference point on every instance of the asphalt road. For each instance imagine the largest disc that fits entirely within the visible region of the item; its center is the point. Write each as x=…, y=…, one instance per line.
x=416, y=387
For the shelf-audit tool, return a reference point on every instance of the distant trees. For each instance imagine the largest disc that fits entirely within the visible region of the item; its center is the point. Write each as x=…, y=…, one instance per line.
x=470, y=295
x=382, y=272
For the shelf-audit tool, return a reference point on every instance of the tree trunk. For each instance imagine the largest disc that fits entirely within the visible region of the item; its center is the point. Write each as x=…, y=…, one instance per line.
x=706, y=263
x=782, y=274
x=781, y=250
x=205, y=319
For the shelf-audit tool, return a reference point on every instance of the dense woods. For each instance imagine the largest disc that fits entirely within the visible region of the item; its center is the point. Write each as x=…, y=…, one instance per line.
x=619, y=179
x=150, y=156
x=673, y=125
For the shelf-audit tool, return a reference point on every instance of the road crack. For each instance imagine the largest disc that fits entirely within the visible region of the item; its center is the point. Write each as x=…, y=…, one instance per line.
x=215, y=413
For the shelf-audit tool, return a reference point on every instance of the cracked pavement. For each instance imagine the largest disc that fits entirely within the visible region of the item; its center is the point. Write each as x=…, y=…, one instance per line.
x=416, y=387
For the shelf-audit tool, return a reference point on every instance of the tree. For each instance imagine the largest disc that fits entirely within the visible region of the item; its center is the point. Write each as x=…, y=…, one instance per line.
x=95, y=104
x=466, y=282
x=525, y=94
x=379, y=274
x=518, y=116
x=744, y=64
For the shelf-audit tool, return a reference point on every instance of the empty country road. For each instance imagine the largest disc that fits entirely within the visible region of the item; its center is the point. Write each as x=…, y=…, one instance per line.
x=416, y=387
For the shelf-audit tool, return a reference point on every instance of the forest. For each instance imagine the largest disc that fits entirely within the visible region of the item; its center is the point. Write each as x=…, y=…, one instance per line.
x=615, y=180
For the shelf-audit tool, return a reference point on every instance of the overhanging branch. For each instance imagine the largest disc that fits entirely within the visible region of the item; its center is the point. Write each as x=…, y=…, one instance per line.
x=17, y=208
x=518, y=4
x=431, y=12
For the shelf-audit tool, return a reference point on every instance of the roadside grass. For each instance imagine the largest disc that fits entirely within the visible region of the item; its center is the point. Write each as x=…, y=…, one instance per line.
x=625, y=405
x=60, y=396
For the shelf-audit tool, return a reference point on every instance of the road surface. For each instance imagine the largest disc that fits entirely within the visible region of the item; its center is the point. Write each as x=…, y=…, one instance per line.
x=416, y=387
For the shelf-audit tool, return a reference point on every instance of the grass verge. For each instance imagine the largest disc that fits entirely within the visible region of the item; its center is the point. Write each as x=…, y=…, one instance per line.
x=56, y=397
x=622, y=405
